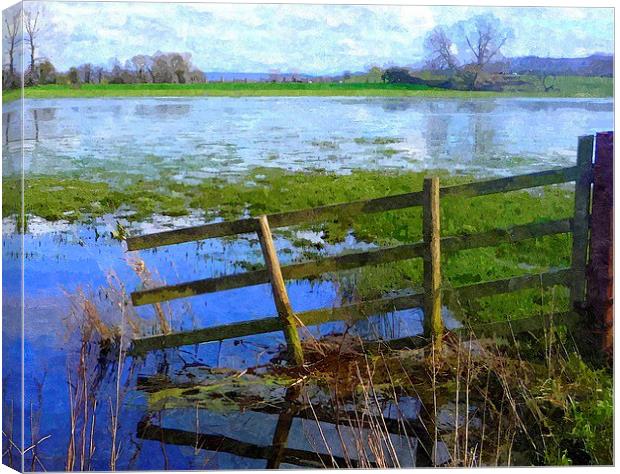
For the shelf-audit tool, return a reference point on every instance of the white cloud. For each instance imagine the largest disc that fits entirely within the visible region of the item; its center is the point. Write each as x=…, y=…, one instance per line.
x=310, y=38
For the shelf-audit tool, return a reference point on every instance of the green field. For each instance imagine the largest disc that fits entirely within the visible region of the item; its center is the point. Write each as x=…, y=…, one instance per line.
x=563, y=87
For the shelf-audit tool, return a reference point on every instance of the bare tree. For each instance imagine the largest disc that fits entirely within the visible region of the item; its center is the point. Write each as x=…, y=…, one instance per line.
x=98, y=74
x=12, y=39
x=440, y=49
x=86, y=73
x=143, y=64
x=179, y=66
x=485, y=37
x=33, y=28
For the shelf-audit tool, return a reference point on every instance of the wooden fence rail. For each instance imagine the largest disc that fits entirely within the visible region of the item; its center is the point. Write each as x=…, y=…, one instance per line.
x=429, y=249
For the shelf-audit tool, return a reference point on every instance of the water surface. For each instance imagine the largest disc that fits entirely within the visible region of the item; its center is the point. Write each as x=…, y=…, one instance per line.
x=196, y=137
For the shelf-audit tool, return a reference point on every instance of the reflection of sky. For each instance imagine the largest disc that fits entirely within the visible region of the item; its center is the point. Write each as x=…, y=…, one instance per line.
x=196, y=138
x=62, y=258
x=310, y=38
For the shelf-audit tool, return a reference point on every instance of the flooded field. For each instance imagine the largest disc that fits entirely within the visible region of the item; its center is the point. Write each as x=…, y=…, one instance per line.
x=76, y=269
x=194, y=138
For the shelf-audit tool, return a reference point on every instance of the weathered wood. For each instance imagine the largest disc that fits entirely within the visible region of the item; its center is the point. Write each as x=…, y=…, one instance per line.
x=511, y=183
x=433, y=324
x=600, y=274
x=581, y=220
x=350, y=261
x=280, y=296
x=531, y=324
x=366, y=206
x=289, y=272
x=349, y=313
x=509, y=285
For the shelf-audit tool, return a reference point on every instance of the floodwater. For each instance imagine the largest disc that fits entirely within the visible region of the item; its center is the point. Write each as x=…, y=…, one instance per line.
x=198, y=137
x=190, y=139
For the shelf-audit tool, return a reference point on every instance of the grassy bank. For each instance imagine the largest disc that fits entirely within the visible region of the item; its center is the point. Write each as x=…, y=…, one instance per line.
x=563, y=87
x=270, y=190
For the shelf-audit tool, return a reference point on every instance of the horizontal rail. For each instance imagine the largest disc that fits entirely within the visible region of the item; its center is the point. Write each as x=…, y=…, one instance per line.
x=349, y=313
x=493, y=329
x=366, y=206
x=350, y=261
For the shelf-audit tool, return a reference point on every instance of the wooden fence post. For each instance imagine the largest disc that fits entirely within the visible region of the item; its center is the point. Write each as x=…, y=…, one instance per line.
x=280, y=295
x=600, y=269
x=581, y=220
x=433, y=324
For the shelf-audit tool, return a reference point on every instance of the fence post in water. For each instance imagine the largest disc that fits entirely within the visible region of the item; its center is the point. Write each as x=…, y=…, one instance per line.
x=433, y=324
x=600, y=270
x=280, y=295
x=581, y=220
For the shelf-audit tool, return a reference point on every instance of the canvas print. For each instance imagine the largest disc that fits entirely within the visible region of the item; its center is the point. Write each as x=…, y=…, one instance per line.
x=276, y=236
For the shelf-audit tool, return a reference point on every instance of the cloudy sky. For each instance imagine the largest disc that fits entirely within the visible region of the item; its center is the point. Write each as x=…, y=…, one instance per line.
x=304, y=38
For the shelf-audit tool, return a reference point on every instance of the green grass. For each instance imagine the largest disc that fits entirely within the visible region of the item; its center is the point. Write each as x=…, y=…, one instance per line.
x=564, y=87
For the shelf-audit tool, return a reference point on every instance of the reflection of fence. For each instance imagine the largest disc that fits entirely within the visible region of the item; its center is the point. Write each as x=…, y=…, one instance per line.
x=428, y=249
x=277, y=452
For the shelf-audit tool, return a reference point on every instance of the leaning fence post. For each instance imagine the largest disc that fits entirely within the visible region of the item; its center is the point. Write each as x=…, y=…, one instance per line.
x=600, y=270
x=433, y=324
x=280, y=295
x=581, y=220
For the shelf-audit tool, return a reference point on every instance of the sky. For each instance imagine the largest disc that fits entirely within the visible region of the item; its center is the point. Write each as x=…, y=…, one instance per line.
x=314, y=39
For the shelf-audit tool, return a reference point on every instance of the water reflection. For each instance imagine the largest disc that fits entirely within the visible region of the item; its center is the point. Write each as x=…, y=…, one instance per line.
x=218, y=135
x=296, y=433
x=163, y=110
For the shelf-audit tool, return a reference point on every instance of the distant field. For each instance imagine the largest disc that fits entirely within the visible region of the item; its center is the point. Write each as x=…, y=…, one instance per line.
x=563, y=87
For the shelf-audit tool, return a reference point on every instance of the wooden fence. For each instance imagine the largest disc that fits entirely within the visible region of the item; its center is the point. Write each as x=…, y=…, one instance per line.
x=429, y=249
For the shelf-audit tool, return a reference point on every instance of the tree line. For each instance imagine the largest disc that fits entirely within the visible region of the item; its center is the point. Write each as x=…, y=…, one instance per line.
x=160, y=67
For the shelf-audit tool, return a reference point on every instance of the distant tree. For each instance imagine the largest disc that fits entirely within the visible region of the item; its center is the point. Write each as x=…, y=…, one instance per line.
x=485, y=37
x=440, y=49
x=196, y=76
x=116, y=74
x=46, y=72
x=375, y=73
x=180, y=67
x=400, y=75
x=73, y=76
x=33, y=28
x=98, y=74
x=86, y=73
x=143, y=65
x=162, y=72
x=12, y=38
